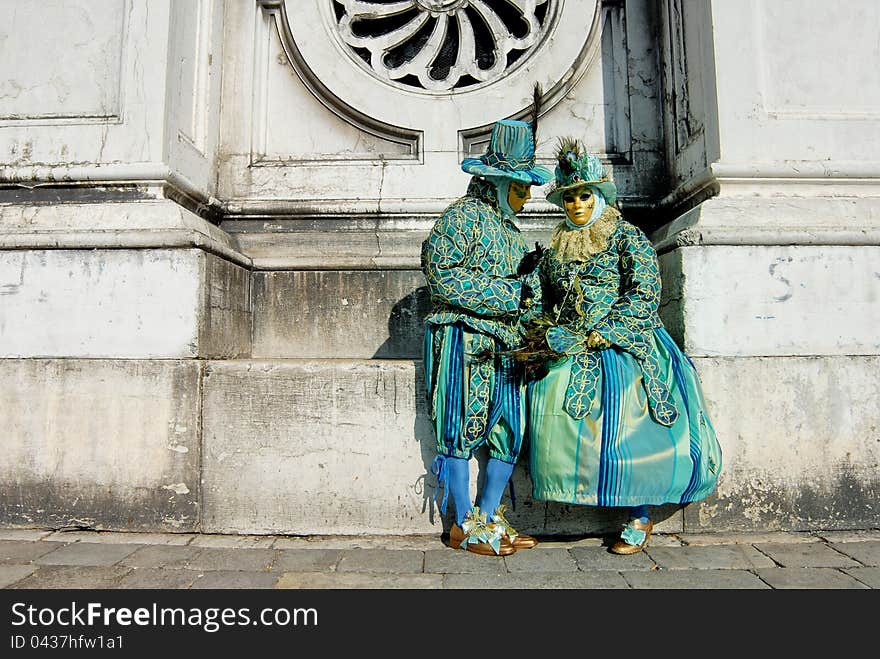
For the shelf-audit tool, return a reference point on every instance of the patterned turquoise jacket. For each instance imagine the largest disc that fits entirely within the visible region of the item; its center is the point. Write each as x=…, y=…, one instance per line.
x=615, y=292
x=470, y=259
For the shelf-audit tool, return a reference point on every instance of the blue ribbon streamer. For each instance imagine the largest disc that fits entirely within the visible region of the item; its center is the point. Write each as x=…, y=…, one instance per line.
x=454, y=389
x=438, y=468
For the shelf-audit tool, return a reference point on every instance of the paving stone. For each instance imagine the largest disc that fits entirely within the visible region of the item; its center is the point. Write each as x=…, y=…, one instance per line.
x=230, y=559
x=25, y=551
x=157, y=556
x=605, y=579
x=24, y=534
x=714, y=557
x=541, y=559
x=870, y=576
x=808, y=577
x=416, y=542
x=9, y=574
x=234, y=579
x=87, y=553
x=306, y=560
x=459, y=561
x=663, y=540
x=357, y=580
x=850, y=536
x=806, y=555
x=569, y=543
x=381, y=560
x=147, y=577
x=867, y=552
x=693, y=579
x=54, y=576
x=233, y=541
x=599, y=558
x=123, y=538
x=774, y=537
x=58, y=536
x=657, y=540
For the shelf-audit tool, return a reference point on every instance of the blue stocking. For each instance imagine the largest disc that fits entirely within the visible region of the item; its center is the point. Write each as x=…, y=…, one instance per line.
x=497, y=475
x=459, y=486
x=640, y=513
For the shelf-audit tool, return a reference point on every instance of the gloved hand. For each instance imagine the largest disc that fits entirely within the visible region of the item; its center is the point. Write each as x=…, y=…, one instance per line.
x=530, y=261
x=596, y=340
x=527, y=297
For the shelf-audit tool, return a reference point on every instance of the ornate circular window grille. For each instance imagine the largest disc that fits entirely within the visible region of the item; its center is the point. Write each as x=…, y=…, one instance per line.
x=442, y=45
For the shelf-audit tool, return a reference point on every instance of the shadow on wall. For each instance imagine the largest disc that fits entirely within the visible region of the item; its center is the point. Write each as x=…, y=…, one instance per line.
x=406, y=327
x=406, y=331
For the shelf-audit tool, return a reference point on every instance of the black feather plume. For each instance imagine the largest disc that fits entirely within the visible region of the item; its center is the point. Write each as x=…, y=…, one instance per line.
x=536, y=110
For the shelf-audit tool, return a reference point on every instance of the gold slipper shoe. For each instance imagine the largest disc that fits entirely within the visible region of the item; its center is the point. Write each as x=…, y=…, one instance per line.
x=634, y=537
x=517, y=539
x=478, y=536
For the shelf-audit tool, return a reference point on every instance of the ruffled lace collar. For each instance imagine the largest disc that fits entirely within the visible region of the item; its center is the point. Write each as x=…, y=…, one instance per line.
x=580, y=244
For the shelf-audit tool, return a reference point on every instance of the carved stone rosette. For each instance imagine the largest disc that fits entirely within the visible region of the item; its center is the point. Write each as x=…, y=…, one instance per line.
x=443, y=45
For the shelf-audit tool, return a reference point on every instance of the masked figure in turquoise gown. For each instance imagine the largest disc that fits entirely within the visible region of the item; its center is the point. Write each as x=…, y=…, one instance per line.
x=482, y=286
x=619, y=418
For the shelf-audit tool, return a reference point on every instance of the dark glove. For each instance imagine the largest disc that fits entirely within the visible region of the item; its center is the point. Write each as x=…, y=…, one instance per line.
x=527, y=297
x=530, y=261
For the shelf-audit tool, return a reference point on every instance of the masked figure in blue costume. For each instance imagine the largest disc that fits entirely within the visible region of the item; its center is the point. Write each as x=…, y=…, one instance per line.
x=482, y=286
x=619, y=418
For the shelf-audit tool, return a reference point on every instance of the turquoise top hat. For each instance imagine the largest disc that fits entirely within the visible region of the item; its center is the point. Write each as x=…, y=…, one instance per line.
x=576, y=169
x=511, y=154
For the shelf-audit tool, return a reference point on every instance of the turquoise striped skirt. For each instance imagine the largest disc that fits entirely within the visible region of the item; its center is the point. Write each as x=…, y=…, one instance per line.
x=618, y=455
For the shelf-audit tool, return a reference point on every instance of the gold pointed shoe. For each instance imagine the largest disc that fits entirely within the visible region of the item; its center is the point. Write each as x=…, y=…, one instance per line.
x=517, y=539
x=478, y=537
x=522, y=541
x=634, y=537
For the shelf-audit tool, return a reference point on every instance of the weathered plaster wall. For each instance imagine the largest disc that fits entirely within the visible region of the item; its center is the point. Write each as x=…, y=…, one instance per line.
x=192, y=90
x=124, y=304
x=800, y=440
x=789, y=104
x=773, y=300
x=107, y=108
x=686, y=32
x=332, y=314
x=770, y=266
x=112, y=91
x=345, y=446
x=315, y=446
x=80, y=82
x=106, y=444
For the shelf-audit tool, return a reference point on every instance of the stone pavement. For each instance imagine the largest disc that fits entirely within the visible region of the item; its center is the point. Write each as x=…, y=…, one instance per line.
x=45, y=559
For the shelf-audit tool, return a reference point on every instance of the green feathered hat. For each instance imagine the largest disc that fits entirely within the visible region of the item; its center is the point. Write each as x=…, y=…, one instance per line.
x=576, y=168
